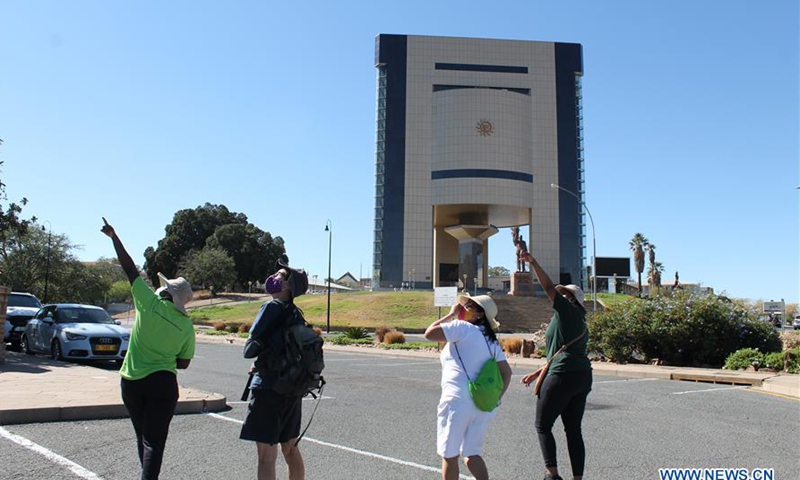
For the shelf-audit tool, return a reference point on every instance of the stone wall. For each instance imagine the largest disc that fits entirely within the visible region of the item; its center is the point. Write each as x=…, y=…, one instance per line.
x=522, y=314
x=4, y=291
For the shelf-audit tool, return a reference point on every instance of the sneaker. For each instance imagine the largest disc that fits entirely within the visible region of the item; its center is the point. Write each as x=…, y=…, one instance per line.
x=549, y=477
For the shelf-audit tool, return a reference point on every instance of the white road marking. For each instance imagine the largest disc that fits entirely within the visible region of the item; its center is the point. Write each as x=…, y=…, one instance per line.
x=390, y=364
x=711, y=390
x=52, y=456
x=355, y=450
x=626, y=380
x=324, y=397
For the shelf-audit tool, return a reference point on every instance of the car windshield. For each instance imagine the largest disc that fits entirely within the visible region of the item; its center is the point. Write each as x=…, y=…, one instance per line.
x=23, y=301
x=83, y=315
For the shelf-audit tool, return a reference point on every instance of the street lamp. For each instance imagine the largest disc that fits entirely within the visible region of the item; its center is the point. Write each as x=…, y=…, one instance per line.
x=47, y=261
x=329, y=229
x=594, y=243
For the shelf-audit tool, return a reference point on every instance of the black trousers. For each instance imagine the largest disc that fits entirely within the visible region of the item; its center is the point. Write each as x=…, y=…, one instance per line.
x=151, y=404
x=563, y=394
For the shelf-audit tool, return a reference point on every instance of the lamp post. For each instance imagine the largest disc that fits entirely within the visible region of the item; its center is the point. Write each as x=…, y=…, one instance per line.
x=47, y=261
x=329, y=229
x=594, y=243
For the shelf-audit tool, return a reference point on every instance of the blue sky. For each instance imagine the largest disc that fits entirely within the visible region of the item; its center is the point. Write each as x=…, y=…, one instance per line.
x=134, y=110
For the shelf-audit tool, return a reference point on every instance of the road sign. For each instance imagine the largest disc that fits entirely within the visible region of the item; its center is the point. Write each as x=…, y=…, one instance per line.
x=774, y=307
x=445, y=296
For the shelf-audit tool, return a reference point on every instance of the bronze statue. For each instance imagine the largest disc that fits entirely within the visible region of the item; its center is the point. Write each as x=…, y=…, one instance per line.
x=522, y=248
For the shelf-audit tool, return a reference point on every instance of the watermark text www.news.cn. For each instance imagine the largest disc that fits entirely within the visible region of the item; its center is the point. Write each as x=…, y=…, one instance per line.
x=716, y=474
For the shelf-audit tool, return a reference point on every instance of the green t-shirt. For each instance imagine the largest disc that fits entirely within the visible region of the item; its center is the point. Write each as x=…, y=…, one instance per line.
x=161, y=335
x=568, y=322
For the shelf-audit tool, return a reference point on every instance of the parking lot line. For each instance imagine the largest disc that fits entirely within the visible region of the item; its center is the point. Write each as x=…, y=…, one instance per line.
x=355, y=450
x=711, y=390
x=50, y=455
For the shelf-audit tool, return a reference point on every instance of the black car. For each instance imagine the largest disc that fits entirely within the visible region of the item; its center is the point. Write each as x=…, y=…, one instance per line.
x=21, y=308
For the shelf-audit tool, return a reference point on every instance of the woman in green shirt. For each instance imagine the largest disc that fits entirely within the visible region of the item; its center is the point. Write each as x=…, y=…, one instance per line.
x=569, y=379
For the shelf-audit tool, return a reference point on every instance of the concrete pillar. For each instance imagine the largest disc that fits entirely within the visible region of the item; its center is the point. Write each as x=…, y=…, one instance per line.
x=4, y=291
x=472, y=257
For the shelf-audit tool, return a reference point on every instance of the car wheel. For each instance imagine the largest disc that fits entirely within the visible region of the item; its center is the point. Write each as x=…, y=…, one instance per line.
x=55, y=351
x=15, y=347
x=25, y=346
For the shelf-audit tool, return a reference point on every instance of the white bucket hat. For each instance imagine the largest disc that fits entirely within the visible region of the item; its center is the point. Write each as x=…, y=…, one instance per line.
x=488, y=306
x=576, y=292
x=178, y=288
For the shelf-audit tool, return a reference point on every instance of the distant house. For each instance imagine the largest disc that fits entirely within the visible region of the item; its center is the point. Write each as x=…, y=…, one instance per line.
x=315, y=285
x=348, y=280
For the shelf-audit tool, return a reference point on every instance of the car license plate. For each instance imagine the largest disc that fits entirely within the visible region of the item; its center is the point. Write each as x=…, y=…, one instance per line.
x=105, y=348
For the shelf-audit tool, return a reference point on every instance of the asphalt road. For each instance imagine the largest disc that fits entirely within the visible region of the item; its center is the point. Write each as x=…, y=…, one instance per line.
x=377, y=420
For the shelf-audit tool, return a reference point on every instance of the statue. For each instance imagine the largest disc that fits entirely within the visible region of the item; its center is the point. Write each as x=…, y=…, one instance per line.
x=677, y=284
x=522, y=248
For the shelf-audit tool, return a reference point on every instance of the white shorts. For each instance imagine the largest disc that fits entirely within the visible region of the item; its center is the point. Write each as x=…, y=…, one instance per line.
x=461, y=428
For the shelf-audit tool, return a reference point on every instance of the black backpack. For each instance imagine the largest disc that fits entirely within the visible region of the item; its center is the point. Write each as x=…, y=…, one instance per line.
x=297, y=366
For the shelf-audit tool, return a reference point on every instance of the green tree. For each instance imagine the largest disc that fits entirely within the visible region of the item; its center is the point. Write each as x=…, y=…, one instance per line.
x=654, y=275
x=637, y=245
x=12, y=225
x=119, y=291
x=498, y=272
x=253, y=250
x=208, y=267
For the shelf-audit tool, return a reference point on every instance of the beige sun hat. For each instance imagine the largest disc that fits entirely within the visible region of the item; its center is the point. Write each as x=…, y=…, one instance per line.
x=178, y=288
x=576, y=292
x=488, y=306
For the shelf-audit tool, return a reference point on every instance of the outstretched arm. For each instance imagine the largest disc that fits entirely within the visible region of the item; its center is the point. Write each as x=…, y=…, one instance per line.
x=544, y=280
x=125, y=260
x=434, y=331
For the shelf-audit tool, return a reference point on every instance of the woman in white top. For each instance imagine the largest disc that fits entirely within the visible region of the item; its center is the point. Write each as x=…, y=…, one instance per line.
x=469, y=330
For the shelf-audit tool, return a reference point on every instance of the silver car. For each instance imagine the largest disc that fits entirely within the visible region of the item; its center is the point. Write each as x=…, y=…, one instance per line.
x=75, y=332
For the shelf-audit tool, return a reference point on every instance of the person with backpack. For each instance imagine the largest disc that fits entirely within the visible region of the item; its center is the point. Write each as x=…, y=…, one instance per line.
x=466, y=406
x=565, y=383
x=162, y=341
x=274, y=417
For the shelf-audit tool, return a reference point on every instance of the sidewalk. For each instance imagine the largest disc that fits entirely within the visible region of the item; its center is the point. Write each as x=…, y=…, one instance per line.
x=37, y=389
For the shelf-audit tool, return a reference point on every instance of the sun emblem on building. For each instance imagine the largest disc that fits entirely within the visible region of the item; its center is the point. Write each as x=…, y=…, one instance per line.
x=485, y=128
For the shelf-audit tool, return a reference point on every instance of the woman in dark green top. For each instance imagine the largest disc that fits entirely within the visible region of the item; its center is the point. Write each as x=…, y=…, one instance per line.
x=569, y=379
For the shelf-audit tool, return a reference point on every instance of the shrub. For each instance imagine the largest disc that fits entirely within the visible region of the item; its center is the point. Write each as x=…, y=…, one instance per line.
x=219, y=326
x=234, y=327
x=356, y=333
x=744, y=358
x=381, y=331
x=775, y=360
x=409, y=346
x=790, y=340
x=679, y=329
x=245, y=327
x=794, y=360
x=243, y=334
x=394, y=337
x=511, y=345
x=343, y=340
x=215, y=332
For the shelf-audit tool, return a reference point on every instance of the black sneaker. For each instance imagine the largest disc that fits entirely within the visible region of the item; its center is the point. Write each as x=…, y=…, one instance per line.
x=550, y=477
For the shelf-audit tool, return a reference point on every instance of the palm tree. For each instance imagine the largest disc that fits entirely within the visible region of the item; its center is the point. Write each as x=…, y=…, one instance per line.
x=656, y=269
x=637, y=245
x=651, y=252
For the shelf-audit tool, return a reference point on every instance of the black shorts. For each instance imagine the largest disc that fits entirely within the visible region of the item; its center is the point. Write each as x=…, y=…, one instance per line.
x=272, y=418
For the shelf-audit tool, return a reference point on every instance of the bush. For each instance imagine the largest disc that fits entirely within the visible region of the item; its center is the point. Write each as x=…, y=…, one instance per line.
x=243, y=334
x=343, y=340
x=234, y=327
x=409, y=346
x=775, y=360
x=356, y=333
x=245, y=328
x=220, y=326
x=679, y=329
x=394, y=337
x=215, y=332
x=380, y=332
x=744, y=358
x=790, y=340
x=511, y=345
x=794, y=360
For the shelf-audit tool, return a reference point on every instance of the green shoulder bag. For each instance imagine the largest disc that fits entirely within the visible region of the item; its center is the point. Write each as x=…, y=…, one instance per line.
x=487, y=387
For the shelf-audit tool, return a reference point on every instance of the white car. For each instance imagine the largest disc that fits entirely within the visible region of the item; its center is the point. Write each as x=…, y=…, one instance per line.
x=796, y=322
x=76, y=332
x=21, y=308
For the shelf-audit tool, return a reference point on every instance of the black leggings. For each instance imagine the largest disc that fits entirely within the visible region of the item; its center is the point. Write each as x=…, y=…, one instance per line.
x=151, y=403
x=563, y=394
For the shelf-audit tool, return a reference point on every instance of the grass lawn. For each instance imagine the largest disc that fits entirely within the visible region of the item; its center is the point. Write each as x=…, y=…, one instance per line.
x=406, y=311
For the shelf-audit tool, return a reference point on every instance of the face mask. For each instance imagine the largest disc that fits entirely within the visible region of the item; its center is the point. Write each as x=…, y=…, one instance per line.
x=273, y=285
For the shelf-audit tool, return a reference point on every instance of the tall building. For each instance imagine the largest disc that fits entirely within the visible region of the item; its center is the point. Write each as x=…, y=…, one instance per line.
x=471, y=133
